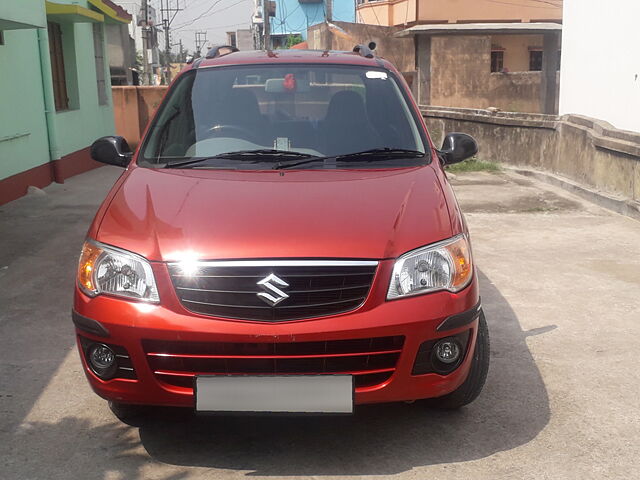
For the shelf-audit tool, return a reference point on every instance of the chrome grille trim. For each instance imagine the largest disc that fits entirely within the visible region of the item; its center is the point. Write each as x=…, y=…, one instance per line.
x=282, y=263
x=310, y=288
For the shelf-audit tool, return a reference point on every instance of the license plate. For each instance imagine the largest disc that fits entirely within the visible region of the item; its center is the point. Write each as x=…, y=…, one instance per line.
x=286, y=394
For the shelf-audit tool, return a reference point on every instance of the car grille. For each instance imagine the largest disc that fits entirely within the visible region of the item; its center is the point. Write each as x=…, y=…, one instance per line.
x=371, y=361
x=230, y=289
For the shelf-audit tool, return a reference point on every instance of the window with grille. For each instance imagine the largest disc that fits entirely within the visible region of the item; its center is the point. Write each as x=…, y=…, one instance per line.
x=497, y=60
x=98, y=46
x=535, y=60
x=59, y=78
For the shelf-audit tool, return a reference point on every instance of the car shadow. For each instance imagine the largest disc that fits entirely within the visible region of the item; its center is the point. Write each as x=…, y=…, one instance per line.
x=377, y=439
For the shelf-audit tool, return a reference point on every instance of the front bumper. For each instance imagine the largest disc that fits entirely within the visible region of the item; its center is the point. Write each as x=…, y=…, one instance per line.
x=130, y=325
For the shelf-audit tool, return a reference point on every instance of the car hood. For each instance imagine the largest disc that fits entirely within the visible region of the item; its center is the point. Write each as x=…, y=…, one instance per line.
x=166, y=215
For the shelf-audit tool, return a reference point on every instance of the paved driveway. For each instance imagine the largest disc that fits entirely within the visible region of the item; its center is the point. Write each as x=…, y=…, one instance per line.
x=561, y=289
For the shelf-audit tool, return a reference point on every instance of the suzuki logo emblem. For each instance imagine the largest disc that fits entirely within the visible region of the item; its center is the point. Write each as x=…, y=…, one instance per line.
x=273, y=294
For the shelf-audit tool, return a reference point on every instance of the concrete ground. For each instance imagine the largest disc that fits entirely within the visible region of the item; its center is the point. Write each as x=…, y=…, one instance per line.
x=560, y=285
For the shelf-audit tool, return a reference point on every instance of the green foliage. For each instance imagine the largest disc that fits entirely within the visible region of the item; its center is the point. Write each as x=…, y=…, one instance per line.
x=292, y=40
x=474, y=165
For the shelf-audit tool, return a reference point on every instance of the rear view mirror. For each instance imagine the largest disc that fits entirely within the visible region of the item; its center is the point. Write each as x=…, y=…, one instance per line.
x=457, y=147
x=111, y=150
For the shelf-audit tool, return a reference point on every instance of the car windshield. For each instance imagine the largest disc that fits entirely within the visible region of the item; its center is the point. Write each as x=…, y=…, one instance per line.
x=247, y=116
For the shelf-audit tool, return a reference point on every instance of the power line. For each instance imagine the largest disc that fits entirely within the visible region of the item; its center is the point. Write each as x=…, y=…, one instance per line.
x=212, y=27
x=209, y=12
x=191, y=22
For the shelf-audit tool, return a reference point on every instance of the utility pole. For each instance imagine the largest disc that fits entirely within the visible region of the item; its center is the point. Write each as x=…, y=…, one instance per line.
x=329, y=18
x=266, y=24
x=168, y=14
x=181, y=52
x=146, y=75
x=201, y=39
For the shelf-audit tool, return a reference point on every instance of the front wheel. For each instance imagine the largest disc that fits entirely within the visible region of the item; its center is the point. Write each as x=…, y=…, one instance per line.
x=472, y=386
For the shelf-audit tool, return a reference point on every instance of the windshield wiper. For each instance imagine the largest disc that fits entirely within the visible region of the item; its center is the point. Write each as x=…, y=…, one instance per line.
x=373, y=155
x=261, y=155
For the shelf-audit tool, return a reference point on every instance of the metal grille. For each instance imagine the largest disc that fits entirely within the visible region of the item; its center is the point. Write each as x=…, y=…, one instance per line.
x=231, y=289
x=371, y=361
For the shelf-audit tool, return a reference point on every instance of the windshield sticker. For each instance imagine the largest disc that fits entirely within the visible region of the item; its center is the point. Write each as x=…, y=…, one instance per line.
x=375, y=74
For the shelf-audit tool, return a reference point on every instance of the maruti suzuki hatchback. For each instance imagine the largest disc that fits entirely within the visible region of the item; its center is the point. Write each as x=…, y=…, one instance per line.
x=284, y=239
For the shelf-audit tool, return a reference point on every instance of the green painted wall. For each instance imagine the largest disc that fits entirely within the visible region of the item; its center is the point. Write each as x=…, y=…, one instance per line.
x=23, y=128
x=79, y=127
x=21, y=104
x=22, y=14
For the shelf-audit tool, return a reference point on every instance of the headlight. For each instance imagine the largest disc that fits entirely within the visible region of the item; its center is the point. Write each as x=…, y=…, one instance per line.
x=442, y=266
x=105, y=269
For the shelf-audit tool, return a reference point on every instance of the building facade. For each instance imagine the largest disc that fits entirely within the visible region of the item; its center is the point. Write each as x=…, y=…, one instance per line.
x=294, y=17
x=55, y=89
x=241, y=38
x=508, y=53
x=122, y=55
x=143, y=29
x=600, y=72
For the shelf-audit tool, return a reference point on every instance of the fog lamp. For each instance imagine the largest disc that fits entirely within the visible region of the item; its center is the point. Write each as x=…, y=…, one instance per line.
x=102, y=360
x=447, y=351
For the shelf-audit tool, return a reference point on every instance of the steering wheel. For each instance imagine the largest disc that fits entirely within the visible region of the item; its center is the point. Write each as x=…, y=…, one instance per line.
x=245, y=133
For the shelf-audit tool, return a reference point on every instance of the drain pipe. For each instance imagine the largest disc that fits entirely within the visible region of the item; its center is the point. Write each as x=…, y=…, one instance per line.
x=49, y=102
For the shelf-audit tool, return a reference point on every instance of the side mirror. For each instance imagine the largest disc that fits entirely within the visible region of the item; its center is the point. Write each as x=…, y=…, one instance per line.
x=111, y=150
x=458, y=147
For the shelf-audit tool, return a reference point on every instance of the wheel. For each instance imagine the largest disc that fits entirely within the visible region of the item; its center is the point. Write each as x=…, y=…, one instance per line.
x=472, y=386
x=133, y=415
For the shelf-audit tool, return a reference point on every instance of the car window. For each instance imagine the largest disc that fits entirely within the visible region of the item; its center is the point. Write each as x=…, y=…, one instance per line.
x=316, y=110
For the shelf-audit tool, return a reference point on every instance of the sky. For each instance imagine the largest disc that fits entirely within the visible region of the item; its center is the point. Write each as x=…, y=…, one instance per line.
x=216, y=17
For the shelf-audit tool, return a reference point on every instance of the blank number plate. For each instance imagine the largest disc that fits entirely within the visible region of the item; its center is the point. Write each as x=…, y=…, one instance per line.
x=290, y=394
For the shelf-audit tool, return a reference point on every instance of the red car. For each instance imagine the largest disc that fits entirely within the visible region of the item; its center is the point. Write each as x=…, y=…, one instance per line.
x=284, y=239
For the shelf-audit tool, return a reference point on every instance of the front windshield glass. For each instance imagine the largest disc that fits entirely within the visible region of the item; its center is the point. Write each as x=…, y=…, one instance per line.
x=316, y=111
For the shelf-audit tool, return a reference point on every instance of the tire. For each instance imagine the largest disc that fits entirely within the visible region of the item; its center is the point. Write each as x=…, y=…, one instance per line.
x=134, y=415
x=472, y=386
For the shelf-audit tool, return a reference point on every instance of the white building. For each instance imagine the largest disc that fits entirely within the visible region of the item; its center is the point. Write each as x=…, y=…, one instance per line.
x=600, y=70
x=136, y=29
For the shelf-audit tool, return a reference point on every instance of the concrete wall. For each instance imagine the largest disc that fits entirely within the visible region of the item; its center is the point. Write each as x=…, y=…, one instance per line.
x=452, y=11
x=402, y=12
x=589, y=152
x=516, y=50
x=601, y=62
x=133, y=108
x=399, y=51
x=460, y=77
x=244, y=39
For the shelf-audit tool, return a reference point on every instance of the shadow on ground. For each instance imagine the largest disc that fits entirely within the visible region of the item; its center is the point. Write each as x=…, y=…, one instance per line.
x=36, y=335
x=378, y=439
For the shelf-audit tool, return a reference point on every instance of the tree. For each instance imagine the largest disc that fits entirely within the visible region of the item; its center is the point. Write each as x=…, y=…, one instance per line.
x=292, y=40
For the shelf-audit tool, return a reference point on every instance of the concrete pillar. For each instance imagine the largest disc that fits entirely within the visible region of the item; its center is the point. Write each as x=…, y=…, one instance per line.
x=549, y=85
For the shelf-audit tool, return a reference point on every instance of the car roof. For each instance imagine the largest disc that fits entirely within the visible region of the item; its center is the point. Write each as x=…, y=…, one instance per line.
x=292, y=56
